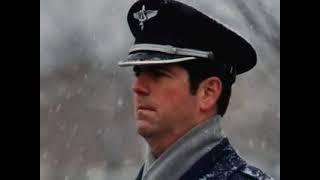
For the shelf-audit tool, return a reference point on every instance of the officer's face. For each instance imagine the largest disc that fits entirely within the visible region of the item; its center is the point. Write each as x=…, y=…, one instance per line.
x=162, y=100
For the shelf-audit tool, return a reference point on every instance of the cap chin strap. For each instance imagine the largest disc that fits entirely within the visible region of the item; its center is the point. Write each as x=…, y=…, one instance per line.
x=172, y=50
x=150, y=62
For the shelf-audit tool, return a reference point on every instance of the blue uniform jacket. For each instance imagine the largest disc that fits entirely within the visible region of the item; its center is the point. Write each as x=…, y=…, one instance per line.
x=221, y=163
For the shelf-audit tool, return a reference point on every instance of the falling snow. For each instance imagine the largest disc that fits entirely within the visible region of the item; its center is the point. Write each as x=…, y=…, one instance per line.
x=58, y=108
x=85, y=118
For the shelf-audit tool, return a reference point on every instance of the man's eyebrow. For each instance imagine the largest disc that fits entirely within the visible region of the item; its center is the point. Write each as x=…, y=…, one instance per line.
x=151, y=68
x=165, y=68
x=156, y=68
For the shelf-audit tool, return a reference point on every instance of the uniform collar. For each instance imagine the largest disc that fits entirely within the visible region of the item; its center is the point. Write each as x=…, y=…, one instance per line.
x=176, y=160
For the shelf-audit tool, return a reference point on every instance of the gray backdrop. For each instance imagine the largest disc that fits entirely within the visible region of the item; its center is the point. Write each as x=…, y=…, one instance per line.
x=87, y=130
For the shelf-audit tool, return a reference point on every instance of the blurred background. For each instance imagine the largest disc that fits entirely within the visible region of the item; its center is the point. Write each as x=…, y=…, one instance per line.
x=87, y=129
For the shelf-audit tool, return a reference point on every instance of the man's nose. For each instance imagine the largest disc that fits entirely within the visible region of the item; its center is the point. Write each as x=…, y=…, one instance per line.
x=140, y=86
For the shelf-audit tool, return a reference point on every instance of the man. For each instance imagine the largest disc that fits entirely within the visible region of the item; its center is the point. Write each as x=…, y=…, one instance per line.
x=185, y=64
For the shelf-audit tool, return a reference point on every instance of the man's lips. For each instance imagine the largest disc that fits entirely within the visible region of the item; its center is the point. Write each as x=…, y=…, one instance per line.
x=144, y=107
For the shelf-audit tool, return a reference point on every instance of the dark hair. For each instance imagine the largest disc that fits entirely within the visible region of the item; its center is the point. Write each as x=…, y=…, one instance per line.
x=200, y=69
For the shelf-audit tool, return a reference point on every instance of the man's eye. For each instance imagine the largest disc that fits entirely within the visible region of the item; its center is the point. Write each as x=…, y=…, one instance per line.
x=136, y=71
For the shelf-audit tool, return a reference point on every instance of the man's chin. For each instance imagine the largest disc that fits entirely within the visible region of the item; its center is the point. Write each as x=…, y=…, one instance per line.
x=144, y=128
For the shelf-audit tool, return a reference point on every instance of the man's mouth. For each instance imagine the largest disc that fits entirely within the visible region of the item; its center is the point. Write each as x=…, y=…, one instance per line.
x=145, y=107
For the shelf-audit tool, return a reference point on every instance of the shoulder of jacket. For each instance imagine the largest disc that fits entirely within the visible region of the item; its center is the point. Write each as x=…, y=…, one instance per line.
x=254, y=173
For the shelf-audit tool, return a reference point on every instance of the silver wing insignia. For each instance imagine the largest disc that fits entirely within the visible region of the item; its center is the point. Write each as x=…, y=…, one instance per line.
x=144, y=15
x=151, y=13
x=136, y=16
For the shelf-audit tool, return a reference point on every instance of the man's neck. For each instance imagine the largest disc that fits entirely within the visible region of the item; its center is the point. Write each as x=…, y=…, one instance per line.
x=160, y=144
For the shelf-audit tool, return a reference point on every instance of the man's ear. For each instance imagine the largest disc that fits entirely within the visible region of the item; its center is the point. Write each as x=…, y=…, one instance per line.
x=209, y=92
